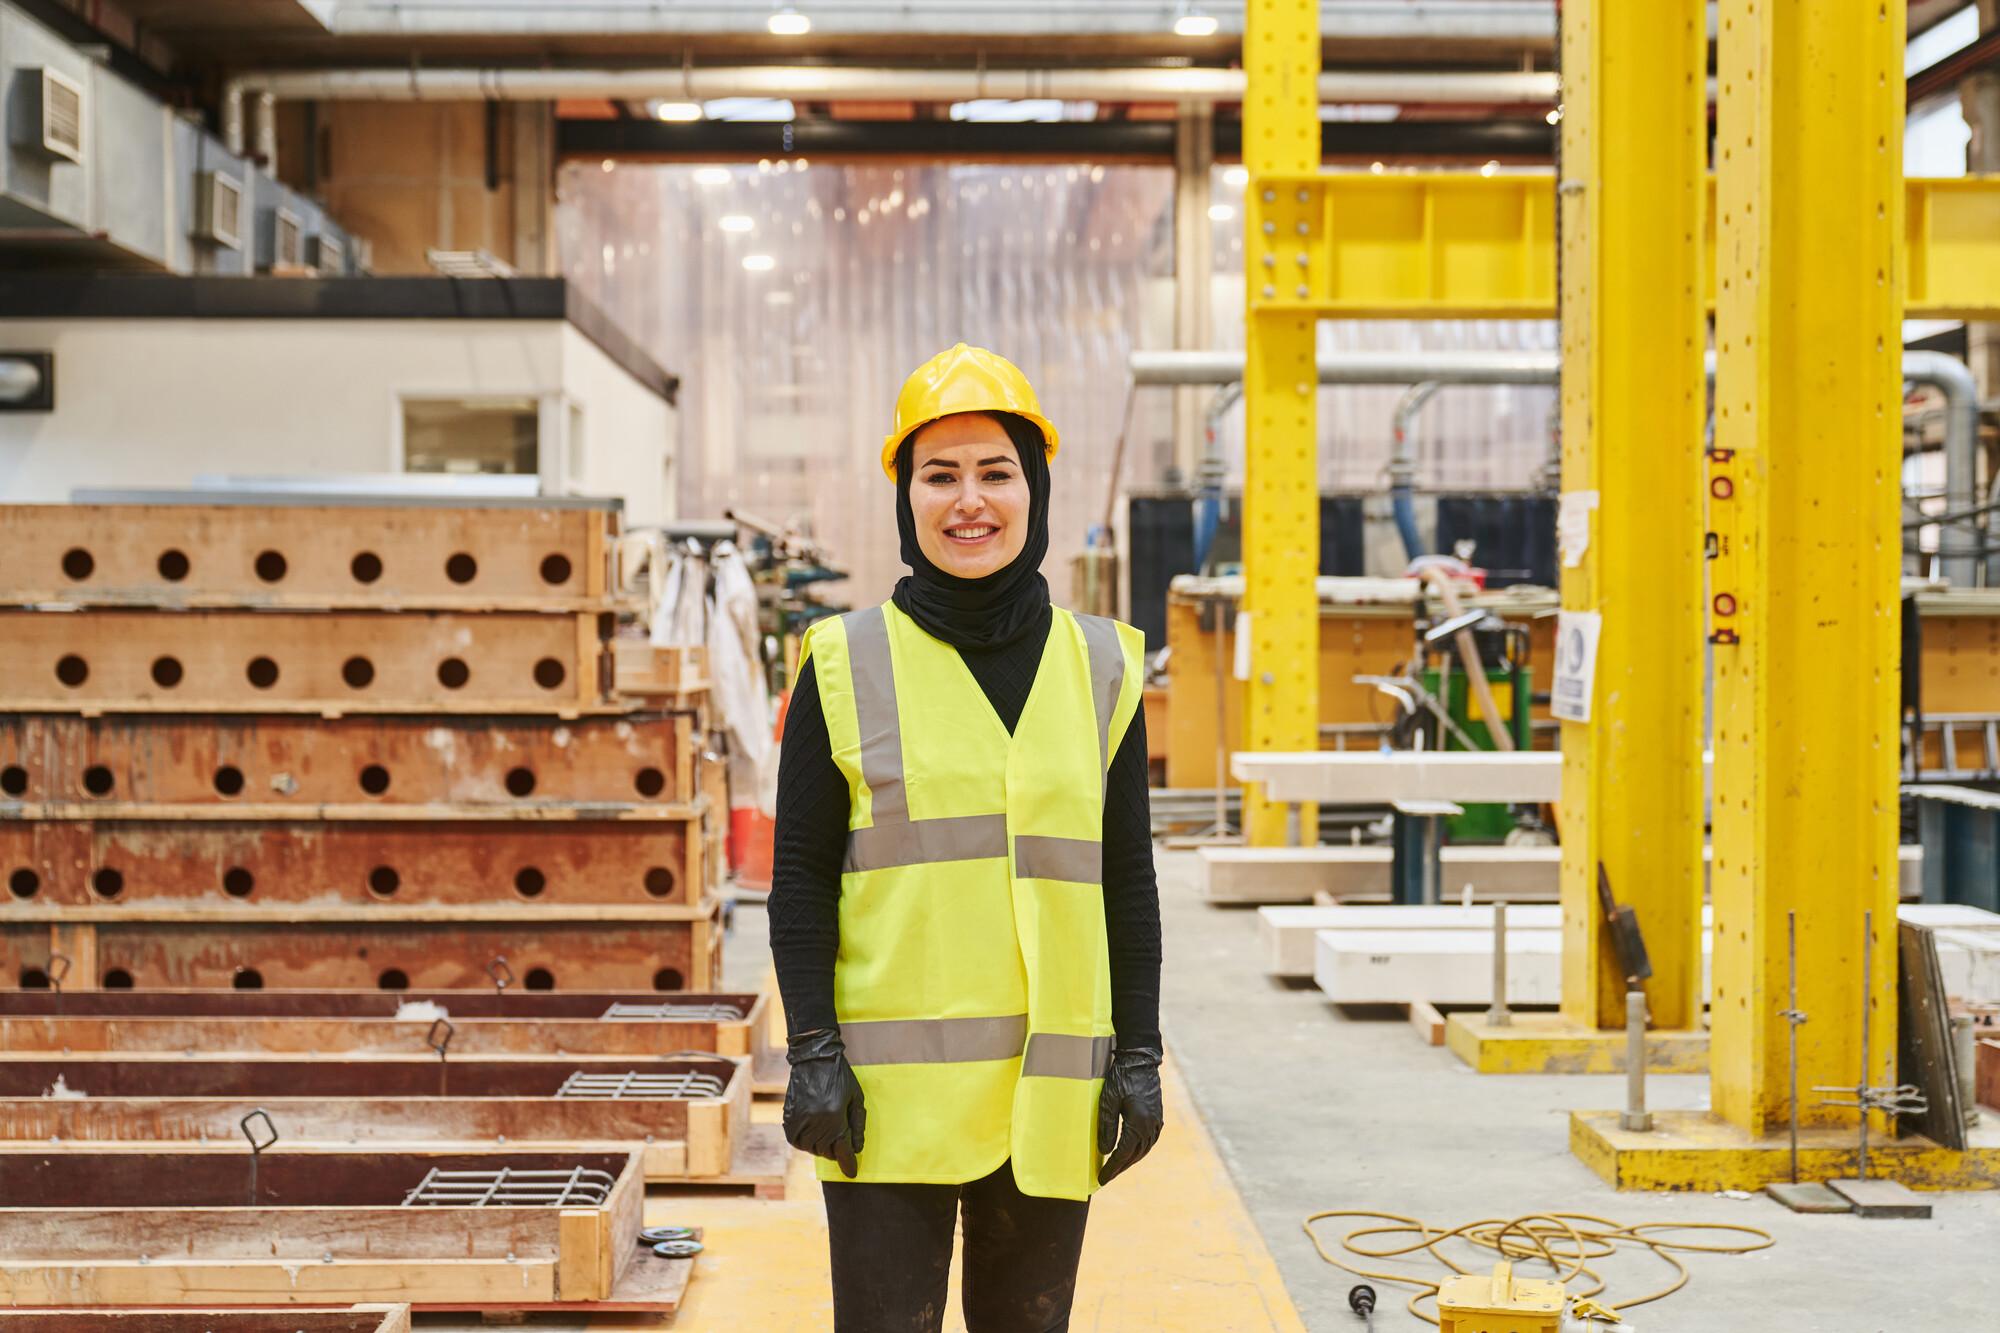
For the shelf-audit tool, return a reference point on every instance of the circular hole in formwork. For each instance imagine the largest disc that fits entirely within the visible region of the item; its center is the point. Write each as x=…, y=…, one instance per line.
x=667, y=978
x=374, y=779
x=247, y=978
x=13, y=780
x=555, y=569
x=461, y=568
x=117, y=978
x=167, y=672
x=452, y=673
x=72, y=670
x=107, y=883
x=549, y=673
x=238, y=882
x=229, y=780
x=539, y=978
x=660, y=882
x=393, y=978
x=529, y=882
x=270, y=566
x=24, y=883
x=649, y=782
x=366, y=567
x=520, y=781
x=262, y=672
x=97, y=780
x=34, y=978
x=383, y=881
x=358, y=672
x=77, y=564
x=173, y=565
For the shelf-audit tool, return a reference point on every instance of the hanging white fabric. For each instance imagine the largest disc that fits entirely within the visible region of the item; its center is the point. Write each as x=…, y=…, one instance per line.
x=737, y=683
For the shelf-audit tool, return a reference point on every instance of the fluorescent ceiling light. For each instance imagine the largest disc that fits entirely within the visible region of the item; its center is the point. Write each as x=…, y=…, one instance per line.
x=712, y=176
x=736, y=222
x=759, y=263
x=1004, y=109
x=1194, y=24
x=1489, y=169
x=1237, y=176
x=748, y=108
x=1359, y=111
x=678, y=111
x=1221, y=212
x=788, y=22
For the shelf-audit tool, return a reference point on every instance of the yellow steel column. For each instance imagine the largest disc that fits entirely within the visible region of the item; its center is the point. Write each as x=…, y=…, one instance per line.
x=1632, y=197
x=1802, y=493
x=1280, y=383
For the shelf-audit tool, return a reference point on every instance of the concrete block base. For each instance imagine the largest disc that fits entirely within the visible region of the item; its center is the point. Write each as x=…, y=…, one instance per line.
x=1694, y=1150
x=1543, y=1043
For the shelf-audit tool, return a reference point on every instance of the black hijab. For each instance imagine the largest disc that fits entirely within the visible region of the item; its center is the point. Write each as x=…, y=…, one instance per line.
x=1002, y=607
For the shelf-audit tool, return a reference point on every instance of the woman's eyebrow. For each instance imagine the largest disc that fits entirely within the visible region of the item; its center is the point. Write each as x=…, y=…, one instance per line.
x=989, y=462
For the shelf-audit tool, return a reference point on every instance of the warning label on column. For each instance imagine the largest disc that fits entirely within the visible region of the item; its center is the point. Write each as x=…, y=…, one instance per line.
x=1576, y=664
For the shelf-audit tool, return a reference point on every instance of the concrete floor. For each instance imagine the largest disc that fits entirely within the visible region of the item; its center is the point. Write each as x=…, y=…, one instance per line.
x=1313, y=1111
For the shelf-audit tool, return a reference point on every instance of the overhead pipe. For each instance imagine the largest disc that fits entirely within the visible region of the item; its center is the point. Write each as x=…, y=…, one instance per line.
x=1959, y=548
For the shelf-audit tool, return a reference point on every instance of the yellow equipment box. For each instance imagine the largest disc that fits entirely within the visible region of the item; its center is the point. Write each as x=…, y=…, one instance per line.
x=1501, y=1303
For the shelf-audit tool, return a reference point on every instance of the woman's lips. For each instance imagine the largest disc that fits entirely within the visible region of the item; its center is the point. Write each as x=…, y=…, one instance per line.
x=973, y=533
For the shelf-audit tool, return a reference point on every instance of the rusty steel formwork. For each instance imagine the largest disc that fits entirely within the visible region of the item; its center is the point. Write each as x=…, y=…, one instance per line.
x=445, y=947
x=495, y=1021
x=158, y=862
x=326, y=662
x=289, y=766
x=195, y=1226
x=374, y=1317
x=462, y=556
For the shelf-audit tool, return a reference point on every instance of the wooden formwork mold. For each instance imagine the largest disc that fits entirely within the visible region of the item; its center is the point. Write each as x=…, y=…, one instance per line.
x=443, y=947
x=511, y=1022
x=374, y=1317
x=87, y=1101
x=457, y=557
x=156, y=862
x=330, y=662
x=293, y=765
x=181, y=1227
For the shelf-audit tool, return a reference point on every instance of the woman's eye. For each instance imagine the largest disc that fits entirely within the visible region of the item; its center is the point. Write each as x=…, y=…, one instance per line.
x=999, y=476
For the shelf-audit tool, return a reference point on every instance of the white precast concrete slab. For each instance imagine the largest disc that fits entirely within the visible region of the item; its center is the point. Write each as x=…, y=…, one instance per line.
x=1287, y=932
x=1295, y=874
x=1371, y=777
x=1435, y=966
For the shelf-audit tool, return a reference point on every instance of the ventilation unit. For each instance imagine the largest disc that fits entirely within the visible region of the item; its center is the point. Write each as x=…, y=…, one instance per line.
x=329, y=256
x=53, y=125
x=218, y=209
x=288, y=240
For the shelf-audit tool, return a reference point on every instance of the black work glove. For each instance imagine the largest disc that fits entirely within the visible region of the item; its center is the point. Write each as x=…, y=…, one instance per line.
x=1131, y=1094
x=824, y=1114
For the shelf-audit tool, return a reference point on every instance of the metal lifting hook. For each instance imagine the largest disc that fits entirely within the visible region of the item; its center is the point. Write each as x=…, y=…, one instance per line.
x=438, y=1042
x=257, y=1148
x=503, y=976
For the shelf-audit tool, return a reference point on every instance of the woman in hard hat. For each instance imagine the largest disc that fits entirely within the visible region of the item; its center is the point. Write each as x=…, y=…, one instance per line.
x=963, y=911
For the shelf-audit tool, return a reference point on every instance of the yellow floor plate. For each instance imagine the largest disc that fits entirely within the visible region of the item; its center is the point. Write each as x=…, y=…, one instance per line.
x=1693, y=1150
x=1543, y=1043
x=1170, y=1247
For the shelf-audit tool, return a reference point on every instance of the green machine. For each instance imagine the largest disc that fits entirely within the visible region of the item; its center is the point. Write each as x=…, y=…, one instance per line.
x=1503, y=650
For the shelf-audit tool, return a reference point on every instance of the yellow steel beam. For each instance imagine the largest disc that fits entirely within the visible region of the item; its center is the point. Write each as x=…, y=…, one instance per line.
x=1458, y=245
x=1803, y=499
x=1281, y=463
x=1633, y=401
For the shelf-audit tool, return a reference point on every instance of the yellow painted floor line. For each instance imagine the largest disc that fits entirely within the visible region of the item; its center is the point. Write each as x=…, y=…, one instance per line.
x=1170, y=1247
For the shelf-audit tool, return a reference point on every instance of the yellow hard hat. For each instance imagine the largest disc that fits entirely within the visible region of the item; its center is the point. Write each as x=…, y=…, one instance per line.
x=963, y=379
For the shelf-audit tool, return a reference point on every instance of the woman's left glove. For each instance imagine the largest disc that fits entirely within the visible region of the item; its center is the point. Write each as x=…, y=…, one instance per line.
x=1132, y=1095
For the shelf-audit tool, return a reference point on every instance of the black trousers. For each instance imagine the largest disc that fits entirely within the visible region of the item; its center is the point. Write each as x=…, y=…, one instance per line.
x=891, y=1247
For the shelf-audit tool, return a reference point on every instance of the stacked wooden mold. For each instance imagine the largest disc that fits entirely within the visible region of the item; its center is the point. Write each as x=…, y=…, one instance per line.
x=338, y=745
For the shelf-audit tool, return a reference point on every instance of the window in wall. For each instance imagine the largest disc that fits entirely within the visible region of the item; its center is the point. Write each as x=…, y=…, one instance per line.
x=471, y=435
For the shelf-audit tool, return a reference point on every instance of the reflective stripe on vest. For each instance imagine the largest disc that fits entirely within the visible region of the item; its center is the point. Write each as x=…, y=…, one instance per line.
x=972, y=982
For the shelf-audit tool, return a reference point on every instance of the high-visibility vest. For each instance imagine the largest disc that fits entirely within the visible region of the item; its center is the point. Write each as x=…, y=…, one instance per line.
x=973, y=986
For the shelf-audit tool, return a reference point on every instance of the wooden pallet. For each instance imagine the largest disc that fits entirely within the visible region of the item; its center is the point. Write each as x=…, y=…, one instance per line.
x=332, y=663
x=177, y=1227
x=510, y=1022
x=375, y=1101
x=163, y=860
x=450, y=557
x=640, y=667
x=367, y=1318
x=284, y=766
x=294, y=946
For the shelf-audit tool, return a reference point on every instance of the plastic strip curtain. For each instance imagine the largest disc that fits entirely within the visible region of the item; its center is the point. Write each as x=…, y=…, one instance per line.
x=1468, y=438
x=794, y=300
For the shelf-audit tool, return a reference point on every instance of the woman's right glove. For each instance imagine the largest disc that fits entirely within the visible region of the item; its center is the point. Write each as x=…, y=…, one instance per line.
x=824, y=1113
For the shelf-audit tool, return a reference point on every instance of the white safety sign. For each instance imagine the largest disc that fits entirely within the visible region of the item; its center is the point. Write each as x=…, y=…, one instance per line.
x=1576, y=664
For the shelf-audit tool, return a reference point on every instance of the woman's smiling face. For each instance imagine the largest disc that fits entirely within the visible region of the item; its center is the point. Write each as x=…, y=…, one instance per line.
x=969, y=495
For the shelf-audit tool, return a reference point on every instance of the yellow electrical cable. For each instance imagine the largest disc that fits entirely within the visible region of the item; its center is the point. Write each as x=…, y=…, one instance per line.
x=1549, y=1237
